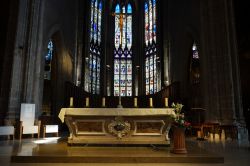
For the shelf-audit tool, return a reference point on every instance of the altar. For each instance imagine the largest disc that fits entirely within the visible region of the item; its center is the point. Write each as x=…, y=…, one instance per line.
x=117, y=125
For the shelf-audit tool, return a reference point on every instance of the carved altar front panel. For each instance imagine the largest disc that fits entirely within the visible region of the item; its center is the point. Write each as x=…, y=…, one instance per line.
x=127, y=126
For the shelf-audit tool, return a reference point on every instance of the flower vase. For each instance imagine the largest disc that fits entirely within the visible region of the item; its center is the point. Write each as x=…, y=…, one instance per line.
x=179, y=141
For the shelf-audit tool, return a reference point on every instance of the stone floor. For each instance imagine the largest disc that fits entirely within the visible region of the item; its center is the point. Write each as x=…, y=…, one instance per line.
x=234, y=153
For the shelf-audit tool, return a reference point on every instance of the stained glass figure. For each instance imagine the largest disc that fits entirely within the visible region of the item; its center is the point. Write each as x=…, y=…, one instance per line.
x=123, y=51
x=146, y=24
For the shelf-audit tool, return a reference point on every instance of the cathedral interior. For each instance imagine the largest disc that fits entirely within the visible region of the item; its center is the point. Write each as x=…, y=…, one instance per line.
x=134, y=56
x=193, y=52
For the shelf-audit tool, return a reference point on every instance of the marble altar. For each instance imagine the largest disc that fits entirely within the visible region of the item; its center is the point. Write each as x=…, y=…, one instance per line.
x=117, y=125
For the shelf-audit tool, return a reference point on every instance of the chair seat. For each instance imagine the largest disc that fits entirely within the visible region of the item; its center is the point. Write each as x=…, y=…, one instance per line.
x=30, y=129
x=7, y=130
x=51, y=128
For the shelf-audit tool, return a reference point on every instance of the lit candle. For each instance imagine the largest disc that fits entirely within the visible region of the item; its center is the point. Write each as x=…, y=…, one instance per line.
x=166, y=102
x=216, y=137
x=135, y=102
x=103, y=102
x=87, y=102
x=71, y=102
x=150, y=102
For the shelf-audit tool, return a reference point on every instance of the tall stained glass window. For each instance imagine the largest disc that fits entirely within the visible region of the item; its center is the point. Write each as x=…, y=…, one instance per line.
x=152, y=77
x=195, y=52
x=48, y=60
x=92, y=77
x=195, y=65
x=123, y=51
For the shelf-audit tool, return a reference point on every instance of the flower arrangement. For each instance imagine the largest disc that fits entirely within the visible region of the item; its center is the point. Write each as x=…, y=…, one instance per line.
x=179, y=118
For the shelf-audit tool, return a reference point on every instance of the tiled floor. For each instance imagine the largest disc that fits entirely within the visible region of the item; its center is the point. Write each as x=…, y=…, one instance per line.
x=235, y=153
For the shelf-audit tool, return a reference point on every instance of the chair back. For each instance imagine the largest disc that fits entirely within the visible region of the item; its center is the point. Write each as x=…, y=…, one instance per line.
x=27, y=114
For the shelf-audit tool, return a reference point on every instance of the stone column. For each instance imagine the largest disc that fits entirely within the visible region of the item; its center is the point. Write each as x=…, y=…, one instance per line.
x=220, y=92
x=17, y=76
x=25, y=54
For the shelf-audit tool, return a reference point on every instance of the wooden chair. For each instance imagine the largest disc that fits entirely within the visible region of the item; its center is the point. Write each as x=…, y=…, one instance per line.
x=28, y=124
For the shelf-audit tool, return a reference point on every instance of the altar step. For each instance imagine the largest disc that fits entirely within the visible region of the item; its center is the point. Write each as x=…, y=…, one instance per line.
x=61, y=153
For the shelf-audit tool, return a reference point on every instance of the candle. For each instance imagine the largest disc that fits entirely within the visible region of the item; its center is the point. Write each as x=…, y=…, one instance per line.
x=223, y=136
x=71, y=102
x=87, y=102
x=103, y=102
x=198, y=134
x=216, y=137
x=135, y=102
x=166, y=102
x=150, y=102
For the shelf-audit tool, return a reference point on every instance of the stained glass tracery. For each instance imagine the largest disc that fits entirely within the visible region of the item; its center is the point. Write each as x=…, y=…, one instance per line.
x=123, y=51
x=48, y=60
x=195, y=52
x=92, y=78
x=151, y=59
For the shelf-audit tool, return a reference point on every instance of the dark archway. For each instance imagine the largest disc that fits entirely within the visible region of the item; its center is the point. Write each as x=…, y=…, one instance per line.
x=194, y=77
x=59, y=71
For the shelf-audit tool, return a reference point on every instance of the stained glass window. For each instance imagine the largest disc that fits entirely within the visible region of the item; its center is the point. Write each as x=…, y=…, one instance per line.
x=195, y=52
x=152, y=77
x=195, y=65
x=92, y=77
x=123, y=51
x=48, y=60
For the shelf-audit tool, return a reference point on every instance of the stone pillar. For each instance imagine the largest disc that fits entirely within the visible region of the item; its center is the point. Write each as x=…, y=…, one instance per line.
x=232, y=43
x=7, y=55
x=17, y=76
x=220, y=93
x=24, y=67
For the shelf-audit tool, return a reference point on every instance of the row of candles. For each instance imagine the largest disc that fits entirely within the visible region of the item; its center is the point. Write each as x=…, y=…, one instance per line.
x=104, y=102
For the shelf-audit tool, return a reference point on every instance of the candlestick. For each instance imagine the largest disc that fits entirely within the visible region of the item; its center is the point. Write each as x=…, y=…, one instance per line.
x=103, y=102
x=150, y=102
x=71, y=103
x=87, y=102
x=135, y=102
x=166, y=102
